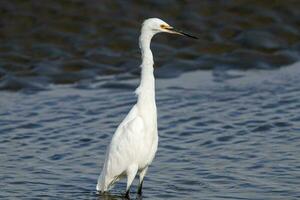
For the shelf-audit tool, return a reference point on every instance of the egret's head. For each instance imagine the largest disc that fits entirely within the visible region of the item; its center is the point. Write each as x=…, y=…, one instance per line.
x=155, y=25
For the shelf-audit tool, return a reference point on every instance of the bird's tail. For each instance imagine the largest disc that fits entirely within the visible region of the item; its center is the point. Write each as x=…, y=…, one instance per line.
x=98, y=187
x=101, y=184
x=104, y=183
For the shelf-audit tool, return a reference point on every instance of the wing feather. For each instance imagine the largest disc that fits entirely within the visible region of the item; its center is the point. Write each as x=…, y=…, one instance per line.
x=120, y=155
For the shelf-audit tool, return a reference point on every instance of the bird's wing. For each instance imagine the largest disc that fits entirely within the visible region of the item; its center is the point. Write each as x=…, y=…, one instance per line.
x=123, y=146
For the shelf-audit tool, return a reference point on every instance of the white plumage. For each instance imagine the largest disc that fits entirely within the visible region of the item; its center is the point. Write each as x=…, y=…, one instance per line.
x=134, y=144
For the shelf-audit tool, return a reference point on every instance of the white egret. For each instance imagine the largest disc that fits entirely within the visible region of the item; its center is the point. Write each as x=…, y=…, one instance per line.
x=134, y=144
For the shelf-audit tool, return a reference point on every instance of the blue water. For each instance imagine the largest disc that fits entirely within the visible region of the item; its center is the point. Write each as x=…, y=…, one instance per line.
x=220, y=137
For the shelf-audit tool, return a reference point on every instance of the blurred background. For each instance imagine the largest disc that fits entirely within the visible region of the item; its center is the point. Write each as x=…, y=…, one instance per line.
x=71, y=41
x=228, y=103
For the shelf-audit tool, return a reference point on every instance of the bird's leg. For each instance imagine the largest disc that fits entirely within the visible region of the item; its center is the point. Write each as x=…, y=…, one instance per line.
x=131, y=172
x=142, y=175
x=127, y=194
x=140, y=188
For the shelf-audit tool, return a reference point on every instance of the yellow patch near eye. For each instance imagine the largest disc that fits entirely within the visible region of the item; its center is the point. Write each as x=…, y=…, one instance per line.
x=163, y=26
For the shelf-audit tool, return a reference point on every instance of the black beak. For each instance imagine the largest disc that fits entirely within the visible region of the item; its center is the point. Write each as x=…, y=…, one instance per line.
x=172, y=30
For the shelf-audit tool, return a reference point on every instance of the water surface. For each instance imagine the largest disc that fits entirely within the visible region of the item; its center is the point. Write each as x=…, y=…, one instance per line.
x=234, y=138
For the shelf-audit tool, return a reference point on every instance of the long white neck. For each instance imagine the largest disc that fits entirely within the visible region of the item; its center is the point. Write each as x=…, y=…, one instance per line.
x=146, y=89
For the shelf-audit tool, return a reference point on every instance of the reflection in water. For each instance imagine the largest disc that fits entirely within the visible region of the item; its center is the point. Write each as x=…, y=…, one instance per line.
x=110, y=196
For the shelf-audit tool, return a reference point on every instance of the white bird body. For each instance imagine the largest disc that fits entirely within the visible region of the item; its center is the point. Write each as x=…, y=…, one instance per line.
x=134, y=144
x=131, y=151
